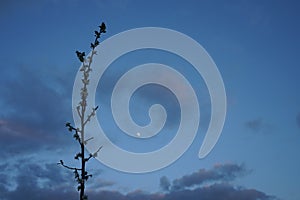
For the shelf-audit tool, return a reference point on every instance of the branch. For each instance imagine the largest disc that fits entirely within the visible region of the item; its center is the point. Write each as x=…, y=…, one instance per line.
x=76, y=135
x=91, y=115
x=71, y=168
x=95, y=154
x=85, y=142
x=78, y=111
x=88, y=158
x=70, y=127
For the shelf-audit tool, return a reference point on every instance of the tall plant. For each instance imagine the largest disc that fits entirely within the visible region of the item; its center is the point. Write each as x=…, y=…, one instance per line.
x=81, y=174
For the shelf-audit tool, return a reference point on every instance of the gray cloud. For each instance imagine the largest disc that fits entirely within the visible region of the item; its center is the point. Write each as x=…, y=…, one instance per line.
x=218, y=192
x=164, y=183
x=34, y=98
x=223, y=172
x=36, y=181
x=98, y=183
x=258, y=126
x=213, y=192
x=34, y=107
x=254, y=125
x=30, y=178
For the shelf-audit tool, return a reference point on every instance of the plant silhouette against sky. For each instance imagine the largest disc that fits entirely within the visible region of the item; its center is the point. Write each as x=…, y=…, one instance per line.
x=81, y=175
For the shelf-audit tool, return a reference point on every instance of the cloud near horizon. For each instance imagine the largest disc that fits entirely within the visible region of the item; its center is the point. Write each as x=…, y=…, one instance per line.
x=220, y=172
x=49, y=181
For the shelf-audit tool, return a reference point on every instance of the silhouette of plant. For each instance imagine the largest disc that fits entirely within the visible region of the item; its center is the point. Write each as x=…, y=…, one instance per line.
x=81, y=175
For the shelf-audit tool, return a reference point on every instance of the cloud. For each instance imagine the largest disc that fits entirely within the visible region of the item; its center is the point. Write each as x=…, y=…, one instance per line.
x=213, y=192
x=258, y=126
x=26, y=178
x=98, y=183
x=33, y=98
x=254, y=125
x=36, y=180
x=221, y=172
x=164, y=183
x=49, y=181
x=34, y=108
x=218, y=192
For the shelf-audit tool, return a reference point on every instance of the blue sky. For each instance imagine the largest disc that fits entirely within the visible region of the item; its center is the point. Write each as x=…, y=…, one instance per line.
x=255, y=45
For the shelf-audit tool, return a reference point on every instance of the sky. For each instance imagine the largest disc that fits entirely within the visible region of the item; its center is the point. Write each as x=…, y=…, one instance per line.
x=255, y=46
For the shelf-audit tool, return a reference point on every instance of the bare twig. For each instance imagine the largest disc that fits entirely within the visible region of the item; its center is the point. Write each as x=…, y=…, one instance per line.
x=71, y=168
